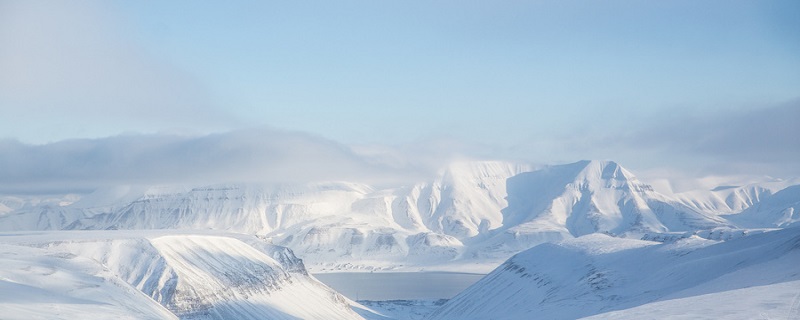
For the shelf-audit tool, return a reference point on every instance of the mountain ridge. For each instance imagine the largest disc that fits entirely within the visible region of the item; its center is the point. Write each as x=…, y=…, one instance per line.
x=470, y=211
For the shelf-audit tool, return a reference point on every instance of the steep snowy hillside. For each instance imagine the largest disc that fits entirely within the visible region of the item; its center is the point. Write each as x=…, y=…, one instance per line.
x=596, y=274
x=194, y=276
x=471, y=212
x=423, y=224
x=466, y=199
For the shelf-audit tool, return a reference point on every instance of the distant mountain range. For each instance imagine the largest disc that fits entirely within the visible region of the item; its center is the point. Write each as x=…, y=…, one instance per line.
x=471, y=212
x=586, y=239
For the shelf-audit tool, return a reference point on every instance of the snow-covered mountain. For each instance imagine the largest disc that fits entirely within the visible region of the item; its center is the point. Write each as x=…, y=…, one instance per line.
x=158, y=275
x=328, y=221
x=572, y=200
x=470, y=211
x=604, y=244
x=598, y=275
x=780, y=210
x=731, y=196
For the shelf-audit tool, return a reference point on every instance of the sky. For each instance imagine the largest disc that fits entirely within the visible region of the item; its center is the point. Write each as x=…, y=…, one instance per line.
x=106, y=92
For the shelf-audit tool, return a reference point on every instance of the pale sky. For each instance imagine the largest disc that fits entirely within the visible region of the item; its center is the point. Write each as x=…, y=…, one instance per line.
x=693, y=85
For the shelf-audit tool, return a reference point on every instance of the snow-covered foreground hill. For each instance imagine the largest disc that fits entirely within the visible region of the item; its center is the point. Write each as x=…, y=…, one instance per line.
x=36, y=283
x=603, y=277
x=470, y=217
x=157, y=275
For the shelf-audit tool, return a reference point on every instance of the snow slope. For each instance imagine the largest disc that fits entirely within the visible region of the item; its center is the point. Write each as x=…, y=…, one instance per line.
x=163, y=274
x=42, y=284
x=776, y=301
x=597, y=274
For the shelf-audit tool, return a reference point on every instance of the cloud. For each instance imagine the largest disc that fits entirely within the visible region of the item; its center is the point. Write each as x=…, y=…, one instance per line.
x=760, y=140
x=429, y=154
x=757, y=140
x=255, y=155
x=73, y=66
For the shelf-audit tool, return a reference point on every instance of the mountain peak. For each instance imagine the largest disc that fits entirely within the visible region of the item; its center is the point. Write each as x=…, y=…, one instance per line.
x=607, y=174
x=595, y=174
x=607, y=167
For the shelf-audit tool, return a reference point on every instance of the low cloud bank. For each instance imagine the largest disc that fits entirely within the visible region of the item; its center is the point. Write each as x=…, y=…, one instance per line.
x=256, y=155
x=754, y=142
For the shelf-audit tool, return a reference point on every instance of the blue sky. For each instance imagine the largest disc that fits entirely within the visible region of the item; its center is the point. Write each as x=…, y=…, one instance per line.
x=547, y=81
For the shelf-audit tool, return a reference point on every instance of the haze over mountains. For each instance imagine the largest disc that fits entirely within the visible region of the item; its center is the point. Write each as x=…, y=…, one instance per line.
x=470, y=212
x=214, y=160
x=584, y=239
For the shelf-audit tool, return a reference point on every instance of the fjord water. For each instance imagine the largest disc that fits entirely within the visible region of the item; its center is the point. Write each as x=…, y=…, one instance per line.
x=398, y=285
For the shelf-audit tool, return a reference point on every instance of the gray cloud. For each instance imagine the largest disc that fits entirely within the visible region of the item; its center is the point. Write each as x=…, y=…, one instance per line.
x=257, y=155
x=758, y=141
x=754, y=141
